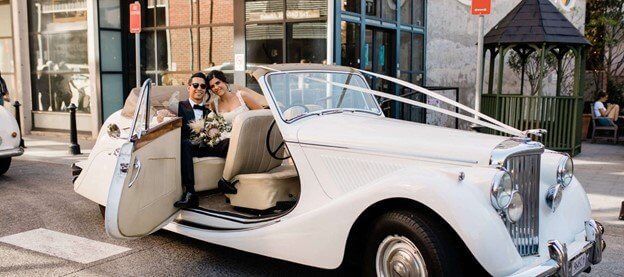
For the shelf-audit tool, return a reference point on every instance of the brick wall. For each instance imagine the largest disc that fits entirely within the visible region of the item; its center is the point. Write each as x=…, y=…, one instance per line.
x=190, y=49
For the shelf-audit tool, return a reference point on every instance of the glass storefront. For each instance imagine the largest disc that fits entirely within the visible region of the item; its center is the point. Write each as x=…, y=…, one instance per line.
x=285, y=31
x=7, y=61
x=58, y=55
x=185, y=36
x=367, y=41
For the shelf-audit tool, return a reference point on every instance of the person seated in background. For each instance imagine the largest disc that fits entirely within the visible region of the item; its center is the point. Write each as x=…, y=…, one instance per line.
x=194, y=109
x=611, y=111
x=229, y=103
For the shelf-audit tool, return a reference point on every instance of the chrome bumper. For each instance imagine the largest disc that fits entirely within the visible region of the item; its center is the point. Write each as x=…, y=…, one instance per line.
x=559, y=263
x=11, y=152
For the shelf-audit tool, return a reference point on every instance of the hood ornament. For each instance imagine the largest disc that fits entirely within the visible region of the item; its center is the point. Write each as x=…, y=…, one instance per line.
x=535, y=132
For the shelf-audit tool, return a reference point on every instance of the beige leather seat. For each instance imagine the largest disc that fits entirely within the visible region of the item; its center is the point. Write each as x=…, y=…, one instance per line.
x=260, y=180
x=208, y=171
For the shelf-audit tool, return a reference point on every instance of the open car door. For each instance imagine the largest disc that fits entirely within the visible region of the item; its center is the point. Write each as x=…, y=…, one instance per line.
x=146, y=180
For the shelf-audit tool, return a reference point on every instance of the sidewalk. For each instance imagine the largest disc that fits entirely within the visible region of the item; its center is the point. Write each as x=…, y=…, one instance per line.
x=54, y=149
x=600, y=168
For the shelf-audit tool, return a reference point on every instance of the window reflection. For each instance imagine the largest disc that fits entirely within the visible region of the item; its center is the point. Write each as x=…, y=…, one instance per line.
x=307, y=42
x=58, y=50
x=351, y=6
x=350, y=47
x=264, y=43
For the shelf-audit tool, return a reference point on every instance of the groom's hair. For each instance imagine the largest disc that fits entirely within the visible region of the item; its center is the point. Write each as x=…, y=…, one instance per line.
x=197, y=75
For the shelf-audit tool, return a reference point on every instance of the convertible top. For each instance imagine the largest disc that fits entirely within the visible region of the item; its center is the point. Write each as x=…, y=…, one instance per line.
x=262, y=70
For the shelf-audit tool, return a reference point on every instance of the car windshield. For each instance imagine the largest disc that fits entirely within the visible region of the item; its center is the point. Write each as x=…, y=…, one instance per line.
x=298, y=94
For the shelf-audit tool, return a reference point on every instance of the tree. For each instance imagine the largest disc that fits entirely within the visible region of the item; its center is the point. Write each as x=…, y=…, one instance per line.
x=605, y=30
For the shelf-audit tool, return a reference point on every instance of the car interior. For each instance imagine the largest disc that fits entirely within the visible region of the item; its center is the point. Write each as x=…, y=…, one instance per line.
x=257, y=164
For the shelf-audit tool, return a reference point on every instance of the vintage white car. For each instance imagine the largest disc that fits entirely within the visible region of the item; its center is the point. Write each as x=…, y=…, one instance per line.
x=9, y=139
x=377, y=195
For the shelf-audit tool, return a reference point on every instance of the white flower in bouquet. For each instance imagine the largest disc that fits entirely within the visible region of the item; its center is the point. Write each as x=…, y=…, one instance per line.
x=209, y=131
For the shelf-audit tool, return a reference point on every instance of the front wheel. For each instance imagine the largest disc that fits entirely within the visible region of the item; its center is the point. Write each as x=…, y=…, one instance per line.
x=5, y=163
x=403, y=243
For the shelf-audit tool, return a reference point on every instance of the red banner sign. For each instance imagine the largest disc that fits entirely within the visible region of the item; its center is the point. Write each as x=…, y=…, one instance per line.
x=481, y=7
x=135, y=18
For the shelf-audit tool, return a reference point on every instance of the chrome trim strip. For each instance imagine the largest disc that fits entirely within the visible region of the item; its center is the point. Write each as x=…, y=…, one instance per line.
x=11, y=152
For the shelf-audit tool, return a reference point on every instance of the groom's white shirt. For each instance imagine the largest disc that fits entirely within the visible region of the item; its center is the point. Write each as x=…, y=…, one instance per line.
x=198, y=113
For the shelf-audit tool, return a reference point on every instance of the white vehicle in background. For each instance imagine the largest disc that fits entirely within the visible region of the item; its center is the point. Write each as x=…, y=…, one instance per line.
x=9, y=139
x=378, y=195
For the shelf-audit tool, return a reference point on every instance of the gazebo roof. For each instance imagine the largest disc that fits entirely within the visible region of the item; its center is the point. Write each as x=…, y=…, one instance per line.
x=535, y=21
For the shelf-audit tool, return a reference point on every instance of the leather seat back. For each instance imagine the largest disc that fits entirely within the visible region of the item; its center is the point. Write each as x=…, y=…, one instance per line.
x=247, y=152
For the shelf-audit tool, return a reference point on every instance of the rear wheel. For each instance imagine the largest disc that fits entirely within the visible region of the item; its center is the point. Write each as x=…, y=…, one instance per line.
x=5, y=163
x=403, y=243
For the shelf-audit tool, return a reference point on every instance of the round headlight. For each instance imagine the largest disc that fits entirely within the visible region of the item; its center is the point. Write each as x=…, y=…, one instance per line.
x=514, y=211
x=553, y=196
x=501, y=190
x=565, y=171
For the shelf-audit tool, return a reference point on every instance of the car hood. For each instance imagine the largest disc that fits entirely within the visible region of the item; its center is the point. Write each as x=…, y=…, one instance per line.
x=397, y=137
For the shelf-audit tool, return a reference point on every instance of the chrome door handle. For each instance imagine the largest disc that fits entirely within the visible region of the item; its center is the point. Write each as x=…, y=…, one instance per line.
x=137, y=166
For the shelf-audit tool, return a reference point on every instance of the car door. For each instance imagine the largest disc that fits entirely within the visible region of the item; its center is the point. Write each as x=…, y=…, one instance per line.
x=146, y=180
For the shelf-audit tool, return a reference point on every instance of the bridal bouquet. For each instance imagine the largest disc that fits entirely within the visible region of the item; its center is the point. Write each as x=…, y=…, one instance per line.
x=209, y=131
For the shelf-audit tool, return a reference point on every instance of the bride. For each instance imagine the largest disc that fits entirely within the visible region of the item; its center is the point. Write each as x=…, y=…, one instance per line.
x=229, y=103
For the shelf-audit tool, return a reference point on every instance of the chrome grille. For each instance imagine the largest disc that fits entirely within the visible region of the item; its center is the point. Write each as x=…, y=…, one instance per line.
x=525, y=171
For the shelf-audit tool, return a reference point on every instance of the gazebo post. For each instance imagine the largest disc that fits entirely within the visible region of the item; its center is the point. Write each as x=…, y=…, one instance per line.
x=493, y=54
x=501, y=68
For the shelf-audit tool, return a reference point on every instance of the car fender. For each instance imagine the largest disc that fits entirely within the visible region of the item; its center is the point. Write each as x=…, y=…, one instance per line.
x=320, y=235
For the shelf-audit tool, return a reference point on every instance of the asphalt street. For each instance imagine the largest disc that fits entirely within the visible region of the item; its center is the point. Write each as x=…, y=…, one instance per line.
x=36, y=194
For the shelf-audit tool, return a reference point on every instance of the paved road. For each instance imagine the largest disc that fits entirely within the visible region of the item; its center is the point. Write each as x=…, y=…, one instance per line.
x=36, y=194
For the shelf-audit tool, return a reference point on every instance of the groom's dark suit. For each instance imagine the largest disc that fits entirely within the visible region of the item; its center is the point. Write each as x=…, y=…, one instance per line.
x=188, y=150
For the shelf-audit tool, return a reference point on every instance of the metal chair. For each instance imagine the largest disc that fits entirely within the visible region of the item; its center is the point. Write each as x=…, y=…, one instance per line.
x=597, y=127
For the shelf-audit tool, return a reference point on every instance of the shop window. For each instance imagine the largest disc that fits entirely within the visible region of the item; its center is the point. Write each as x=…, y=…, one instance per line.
x=58, y=55
x=350, y=46
x=351, y=5
x=306, y=9
x=264, y=10
x=264, y=43
x=307, y=42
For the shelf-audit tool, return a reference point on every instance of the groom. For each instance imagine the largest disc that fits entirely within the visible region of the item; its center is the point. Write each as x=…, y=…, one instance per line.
x=194, y=109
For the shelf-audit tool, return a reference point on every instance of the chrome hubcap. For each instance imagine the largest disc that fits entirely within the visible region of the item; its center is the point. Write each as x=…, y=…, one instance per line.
x=398, y=256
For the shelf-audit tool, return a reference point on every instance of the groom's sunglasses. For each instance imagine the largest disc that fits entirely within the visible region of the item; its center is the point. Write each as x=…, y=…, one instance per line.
x=196, y=85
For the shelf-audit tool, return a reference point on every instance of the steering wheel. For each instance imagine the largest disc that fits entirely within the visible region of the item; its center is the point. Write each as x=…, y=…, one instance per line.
x=273, y=153
x=287, y=112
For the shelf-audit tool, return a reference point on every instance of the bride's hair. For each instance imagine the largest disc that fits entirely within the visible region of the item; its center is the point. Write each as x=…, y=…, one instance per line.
x=216, y=74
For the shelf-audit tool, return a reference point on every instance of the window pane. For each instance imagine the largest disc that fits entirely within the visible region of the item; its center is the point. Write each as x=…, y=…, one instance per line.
x=109, y=14
x=5, y=19
x=350, y=47
x=68, y=47
x=351, y=5
x=405, y=55
x=110, y=49
x=417, y=50
x=406, y=12
x=307, y=42
x=301, y=9
x=112, y=100
x=368, y=50
x=6, y=56
x=373, y=7
x=264, y=43
x=54, y=90
x=222, y=11
x=261, y=10
x=389, y=9
x=419, y=8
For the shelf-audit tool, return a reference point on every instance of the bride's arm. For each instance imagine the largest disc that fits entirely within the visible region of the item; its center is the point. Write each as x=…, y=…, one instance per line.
x=250, y=102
